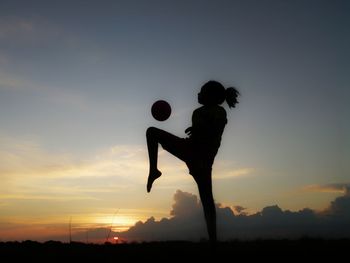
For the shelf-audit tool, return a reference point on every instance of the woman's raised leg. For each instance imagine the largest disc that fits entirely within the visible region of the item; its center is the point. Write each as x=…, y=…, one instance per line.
x=152, y=135
x=170, y=143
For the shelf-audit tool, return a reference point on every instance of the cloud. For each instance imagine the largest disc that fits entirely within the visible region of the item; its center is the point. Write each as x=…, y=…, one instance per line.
x=24, y=158
x=25, y=32
x=186, y=205
x=8, y=82
x=29, y=172
x=56, y=94
x=11, y=26
x=35, y=32
x=229, y=172
x=239, y=209
x=186, y=222
x=340, y=207
x=327, y=188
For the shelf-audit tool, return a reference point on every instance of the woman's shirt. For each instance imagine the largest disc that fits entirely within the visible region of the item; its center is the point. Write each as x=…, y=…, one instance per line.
x=208, y=123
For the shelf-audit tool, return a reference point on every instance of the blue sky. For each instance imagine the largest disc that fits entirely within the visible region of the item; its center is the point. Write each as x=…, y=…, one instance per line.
x=77, y=80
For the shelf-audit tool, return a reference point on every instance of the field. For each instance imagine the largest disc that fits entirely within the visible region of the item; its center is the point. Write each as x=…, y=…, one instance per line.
x=275, y=250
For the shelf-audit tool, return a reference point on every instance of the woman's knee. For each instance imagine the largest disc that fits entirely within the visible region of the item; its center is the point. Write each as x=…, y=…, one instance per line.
x=151, y=131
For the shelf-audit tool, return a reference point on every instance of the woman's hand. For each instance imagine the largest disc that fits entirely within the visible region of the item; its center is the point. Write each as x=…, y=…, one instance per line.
x=188, y=131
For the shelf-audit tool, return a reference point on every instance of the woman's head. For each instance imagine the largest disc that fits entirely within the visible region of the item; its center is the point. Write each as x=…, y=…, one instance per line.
x=214, y=93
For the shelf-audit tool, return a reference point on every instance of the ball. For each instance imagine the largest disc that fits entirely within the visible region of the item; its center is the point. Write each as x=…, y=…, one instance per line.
x=161, y=110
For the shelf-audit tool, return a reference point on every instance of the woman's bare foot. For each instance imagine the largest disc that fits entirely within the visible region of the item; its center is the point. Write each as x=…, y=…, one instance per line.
x=151, y=177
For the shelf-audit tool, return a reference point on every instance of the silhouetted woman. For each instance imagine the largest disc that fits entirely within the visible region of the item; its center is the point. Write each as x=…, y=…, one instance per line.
x=199, y=149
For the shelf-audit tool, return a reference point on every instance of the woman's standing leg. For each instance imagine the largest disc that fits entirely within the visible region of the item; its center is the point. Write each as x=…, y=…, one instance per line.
x=206, y=194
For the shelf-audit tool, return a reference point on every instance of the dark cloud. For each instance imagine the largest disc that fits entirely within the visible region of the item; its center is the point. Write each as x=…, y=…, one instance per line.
x=187, y=222
x=186, y=205
x=340, y=207
x=239, y=209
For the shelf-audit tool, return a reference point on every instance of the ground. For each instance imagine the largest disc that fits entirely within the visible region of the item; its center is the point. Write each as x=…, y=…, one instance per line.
x=272, y=250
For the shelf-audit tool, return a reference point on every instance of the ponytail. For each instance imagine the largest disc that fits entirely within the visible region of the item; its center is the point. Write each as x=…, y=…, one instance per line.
x=231, y=96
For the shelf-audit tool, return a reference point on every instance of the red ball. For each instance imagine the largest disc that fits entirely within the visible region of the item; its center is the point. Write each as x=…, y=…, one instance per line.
x=161, y=110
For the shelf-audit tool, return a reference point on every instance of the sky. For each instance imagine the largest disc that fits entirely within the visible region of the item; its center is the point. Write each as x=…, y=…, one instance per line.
x=77, y=81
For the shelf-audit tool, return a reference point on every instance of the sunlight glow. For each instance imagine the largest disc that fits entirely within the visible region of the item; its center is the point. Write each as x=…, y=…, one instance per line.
x=116, y=223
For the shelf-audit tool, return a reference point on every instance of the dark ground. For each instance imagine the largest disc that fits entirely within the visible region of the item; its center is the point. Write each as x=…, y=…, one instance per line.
x=271, y=250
